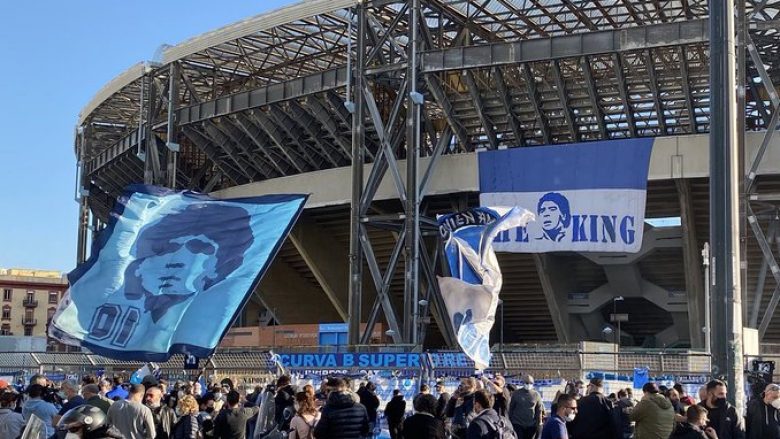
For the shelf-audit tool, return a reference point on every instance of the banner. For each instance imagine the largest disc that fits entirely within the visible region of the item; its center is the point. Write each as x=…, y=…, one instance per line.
x=471, y=293
x=171, y=271
x=587, y=197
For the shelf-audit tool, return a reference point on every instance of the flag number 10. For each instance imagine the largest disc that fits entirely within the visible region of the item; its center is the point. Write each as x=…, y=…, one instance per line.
x=112, y=322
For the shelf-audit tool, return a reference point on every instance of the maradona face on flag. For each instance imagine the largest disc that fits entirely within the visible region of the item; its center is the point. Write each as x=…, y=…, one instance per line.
x=471, y=293
x=171, y=271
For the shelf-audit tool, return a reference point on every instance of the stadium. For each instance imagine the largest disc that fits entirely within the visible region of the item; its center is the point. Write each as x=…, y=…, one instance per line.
x=273, y=104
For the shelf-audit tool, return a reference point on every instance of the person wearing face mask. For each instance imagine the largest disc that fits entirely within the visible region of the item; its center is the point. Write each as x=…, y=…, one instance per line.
x=187, y=427
x=763, y=415
x=595, y=418
x=723, y=417
x=625, y=405
x=133, y=419
x=164, y=416
x=70, y=393
x=526, y=410
x=35, y=405
x=555, y=427
x=653, y=415
x=87, y=422
x=11, y=423
x=694, y=426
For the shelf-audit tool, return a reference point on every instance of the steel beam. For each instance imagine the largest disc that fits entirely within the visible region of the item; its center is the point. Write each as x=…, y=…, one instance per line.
x=318, y=110
x=434, y=86
x=206, y=145
x=261, y=141
x=286, y=123
x=479, y=107
x=686, y=86
x=653, y=84
x=534, y=98
x=506, y=100
x=276, y=135
x=625, y=96
x=758, y=295
x=593, y=94
x=560, y=85
x=692, y=264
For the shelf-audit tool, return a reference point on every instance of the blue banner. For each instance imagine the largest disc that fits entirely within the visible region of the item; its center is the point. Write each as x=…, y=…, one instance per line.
x=350, y=360
x=171, y=271
x=587, y=196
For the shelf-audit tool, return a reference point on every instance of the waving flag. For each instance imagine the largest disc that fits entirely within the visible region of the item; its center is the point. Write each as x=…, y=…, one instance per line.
x=588, y=197
x=171, y=271
x=471, y=293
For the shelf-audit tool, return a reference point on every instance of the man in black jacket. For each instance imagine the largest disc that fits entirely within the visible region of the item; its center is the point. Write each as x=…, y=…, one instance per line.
x=763, y=416
x=485, y=424
x=694, y=426
x=394, y=412
x=422, y=424
x=722, y=415
x=342, y=417
x=441, y=403
x=461, y=407
x=595, y=419
x=285, y=397
x=231, y=421
x=370, y=401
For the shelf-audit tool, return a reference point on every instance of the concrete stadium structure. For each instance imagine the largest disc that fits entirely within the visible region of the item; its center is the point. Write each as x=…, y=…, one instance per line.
x=270, y=104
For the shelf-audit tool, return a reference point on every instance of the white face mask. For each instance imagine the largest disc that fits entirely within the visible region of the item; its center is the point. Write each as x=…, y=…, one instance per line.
x=776, y=404
x=528, y=386
x=70, y=435
x=570, y=417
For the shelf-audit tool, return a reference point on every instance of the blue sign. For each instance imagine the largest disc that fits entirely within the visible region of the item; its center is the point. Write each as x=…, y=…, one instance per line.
x=171, y=271
x=350, y=360
x=334, y=327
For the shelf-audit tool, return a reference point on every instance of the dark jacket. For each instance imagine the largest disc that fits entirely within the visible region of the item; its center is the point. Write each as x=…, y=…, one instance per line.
x=725, y=421
x=101, y=403
x=526, y=408
x=106, y=432
x=342, y=418
x=595, y=418
x=441, y=405
x=164, y=420
x=484, y=426
x=186, y=428
x=231, y=423
x=395, y=409
x=370, y=401
x=460, y=414
x=762, y=420
x=501, y=402
x=284, y=398
x=688, y=431
x=423, y=426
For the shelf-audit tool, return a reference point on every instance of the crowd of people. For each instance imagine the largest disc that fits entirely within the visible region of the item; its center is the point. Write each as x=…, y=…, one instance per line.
x=479, y=409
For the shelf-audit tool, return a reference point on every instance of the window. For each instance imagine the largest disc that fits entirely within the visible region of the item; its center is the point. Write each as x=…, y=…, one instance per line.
x=54, y=297
x=30, y=295
x=50, y=313
x=28, y=331
x=7, y=294
x=28, y=315
x=5, y=329
x=6, y=312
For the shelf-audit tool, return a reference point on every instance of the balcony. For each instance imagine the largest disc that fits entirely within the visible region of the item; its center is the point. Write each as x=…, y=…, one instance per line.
x=30, y=303
x=29, y=321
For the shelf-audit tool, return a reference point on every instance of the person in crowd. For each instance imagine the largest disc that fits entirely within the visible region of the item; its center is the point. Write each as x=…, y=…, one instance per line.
x=625, y=405
x=342, y=417
x=118, y=392
x=164, y=416
x=685, y=399
x=35, y=405
x=322, y=394
x=231, y=422
x=555, y=427
x=694, y=426
x=197, y=389
x=39, y=380
x=285, y=397
x=11, y=423
x=424, y=389
x=526, y=410
x=424, y=424
x=87, y=422
x=702, y=393
x=394, y=412
x=70, y=393
x=306, y=417
x=441, y=402
x=133, y=419
x=253, y=398
x=485, y=423
x=653, y=415
x=594, y=418
x=501, y=396
x=187, y=426
x=370, y=401
x=92, y=397
x=460, y=408
x=105, y=386
x=723, y=417
x=763, y=418
x=308, y=388
x=677, y=404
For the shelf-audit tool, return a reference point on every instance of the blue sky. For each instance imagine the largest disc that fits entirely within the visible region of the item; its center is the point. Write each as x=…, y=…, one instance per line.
x=54, y=56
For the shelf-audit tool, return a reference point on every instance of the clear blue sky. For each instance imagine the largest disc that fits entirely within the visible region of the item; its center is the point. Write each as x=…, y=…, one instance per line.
x=54, y=56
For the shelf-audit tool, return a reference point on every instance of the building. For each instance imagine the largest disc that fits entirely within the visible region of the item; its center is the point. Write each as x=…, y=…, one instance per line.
x=29, y=300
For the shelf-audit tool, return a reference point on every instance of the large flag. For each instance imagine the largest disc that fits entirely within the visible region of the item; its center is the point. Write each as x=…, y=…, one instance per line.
x=171, y=272
x=587, y=197
x=471, y=291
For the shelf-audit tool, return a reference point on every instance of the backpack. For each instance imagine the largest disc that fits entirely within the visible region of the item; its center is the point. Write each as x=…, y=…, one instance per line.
x=504, y=429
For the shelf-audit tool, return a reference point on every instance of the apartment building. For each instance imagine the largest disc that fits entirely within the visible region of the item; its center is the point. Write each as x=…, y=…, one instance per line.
x=29, y=299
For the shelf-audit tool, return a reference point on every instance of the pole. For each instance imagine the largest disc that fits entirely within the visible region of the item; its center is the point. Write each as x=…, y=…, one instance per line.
x=724, y=202
x=705, y=258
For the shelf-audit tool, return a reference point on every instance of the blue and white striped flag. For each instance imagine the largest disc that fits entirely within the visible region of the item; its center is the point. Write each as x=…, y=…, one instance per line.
x=171, y=271
x=471, y=291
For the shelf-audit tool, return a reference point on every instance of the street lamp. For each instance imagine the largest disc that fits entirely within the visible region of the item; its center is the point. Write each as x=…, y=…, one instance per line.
x=615, y=317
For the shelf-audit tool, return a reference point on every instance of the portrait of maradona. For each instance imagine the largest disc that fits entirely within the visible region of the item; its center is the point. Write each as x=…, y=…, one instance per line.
x=185, y=254
x=555, y=216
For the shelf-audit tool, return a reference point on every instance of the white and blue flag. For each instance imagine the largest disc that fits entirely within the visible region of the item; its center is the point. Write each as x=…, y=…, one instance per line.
x=471, y=291
x=171, y=271
x=587, y=196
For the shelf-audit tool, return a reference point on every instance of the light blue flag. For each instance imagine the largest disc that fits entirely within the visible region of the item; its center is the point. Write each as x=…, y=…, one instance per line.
x=471, y=292
x=171, y=272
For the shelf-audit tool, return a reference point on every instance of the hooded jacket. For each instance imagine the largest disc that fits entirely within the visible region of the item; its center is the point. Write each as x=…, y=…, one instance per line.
x=342, y=418
x=688, y=431
x=483, y=426
x=763, y=420
x=654, y=417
